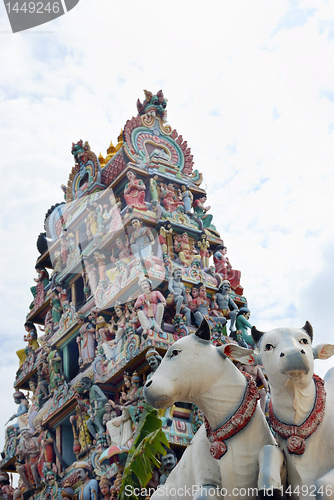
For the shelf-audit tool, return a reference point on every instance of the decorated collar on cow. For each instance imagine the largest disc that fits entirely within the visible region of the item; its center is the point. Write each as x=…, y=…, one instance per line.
x=236, y=422
x=296, y=434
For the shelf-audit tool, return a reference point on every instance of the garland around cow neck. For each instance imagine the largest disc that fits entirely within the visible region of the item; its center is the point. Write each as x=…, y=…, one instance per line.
x=296, y=434
x=236, y=422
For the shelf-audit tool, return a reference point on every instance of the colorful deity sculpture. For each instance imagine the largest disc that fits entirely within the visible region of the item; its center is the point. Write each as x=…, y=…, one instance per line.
x=153, y=105
x=21, y=414
x=224, y=268
x=108, y=492
x=200, y=303
x=201, y=212
x=85, y=340
x=134, y=192
x=97, y=400
x=152, y=304
x=225, y=304
x=43, y=279
x=6, y=489
x=57, y=309
x=187, y=198
x=168, y=463
x=120, y=427
x=204, y=246
x=153, y=359
x=124, y=257
x=242, y=325
x=89, y=489
x=31, y=338
x=45, y=440
x=185, y=250
x=113, y=215
x=55, y=365
x=178, y=290
x=141, y=240
x=28, y=453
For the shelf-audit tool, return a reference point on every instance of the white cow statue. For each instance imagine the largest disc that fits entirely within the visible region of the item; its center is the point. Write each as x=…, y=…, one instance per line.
x=301, y=410
x=195, y=371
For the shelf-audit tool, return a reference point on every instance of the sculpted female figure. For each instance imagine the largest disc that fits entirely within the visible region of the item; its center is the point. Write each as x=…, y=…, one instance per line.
x=141, y=240
x=31, y=338
x=134, y=192
x=85, y=340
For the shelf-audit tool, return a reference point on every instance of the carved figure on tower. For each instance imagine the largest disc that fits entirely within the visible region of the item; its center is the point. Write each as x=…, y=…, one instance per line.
x=28, y=454
x=141, y=240
x=42, y=281
x=187, y=197
x=134, y=192
x=204, y=246
x=224, y=268
x=97, y=400
x=90, y=487
x=152, y=304
x=242, y=325
x=153, y=105
x=85, y=340
x=225, y=304
x=31, y=338
x=153, y=359
x=201, y=211
x=186, y=251
x=178, y=290
x=55, y=365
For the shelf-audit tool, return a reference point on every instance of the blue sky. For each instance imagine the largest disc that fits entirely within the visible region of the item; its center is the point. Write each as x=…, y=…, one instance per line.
x=250, y=86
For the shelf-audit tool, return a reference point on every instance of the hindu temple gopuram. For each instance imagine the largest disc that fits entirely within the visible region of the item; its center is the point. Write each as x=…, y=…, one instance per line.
x=129, y=262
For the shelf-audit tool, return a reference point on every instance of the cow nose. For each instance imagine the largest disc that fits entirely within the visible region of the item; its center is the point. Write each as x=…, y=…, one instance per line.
x=149, y=383
x=282, y=355
x=302, y=351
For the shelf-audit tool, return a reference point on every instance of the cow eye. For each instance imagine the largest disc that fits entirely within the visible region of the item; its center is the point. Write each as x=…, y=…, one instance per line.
x=269, y=347
x=303, y=341
x=175, y=352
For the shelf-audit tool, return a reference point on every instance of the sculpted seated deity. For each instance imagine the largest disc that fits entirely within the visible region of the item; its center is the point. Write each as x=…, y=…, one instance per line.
x=134, y=192
x=185, y=250
x=224, y=268
x=124, y=257
x=152, y=304
x=31, y=338
x=141, y=240
x=120, y=428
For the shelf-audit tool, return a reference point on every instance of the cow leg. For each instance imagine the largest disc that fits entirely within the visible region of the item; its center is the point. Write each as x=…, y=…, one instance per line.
x=271, y=462
x=325, y=486
x=207, y=492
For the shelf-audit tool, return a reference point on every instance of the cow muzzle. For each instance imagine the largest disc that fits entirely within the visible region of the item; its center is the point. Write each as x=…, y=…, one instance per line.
x=294, y=364
x=157, y=399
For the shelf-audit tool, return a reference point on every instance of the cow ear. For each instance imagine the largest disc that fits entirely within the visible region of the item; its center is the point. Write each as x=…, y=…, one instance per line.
x=256, y=334
x=244, y=356
x=308, y=329
x=203, y=331
x=323, y=351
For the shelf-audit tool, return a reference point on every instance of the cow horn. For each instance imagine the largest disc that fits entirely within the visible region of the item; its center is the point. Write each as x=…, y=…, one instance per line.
x=256, y=334
x=308, y=329
x=203, y=331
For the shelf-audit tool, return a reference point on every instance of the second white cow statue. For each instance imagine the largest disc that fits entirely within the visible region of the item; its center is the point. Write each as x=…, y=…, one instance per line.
x=195, y=371
x=301, y=410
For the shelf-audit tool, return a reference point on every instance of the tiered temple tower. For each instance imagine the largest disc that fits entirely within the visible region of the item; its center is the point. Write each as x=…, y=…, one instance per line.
x=129, y=262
